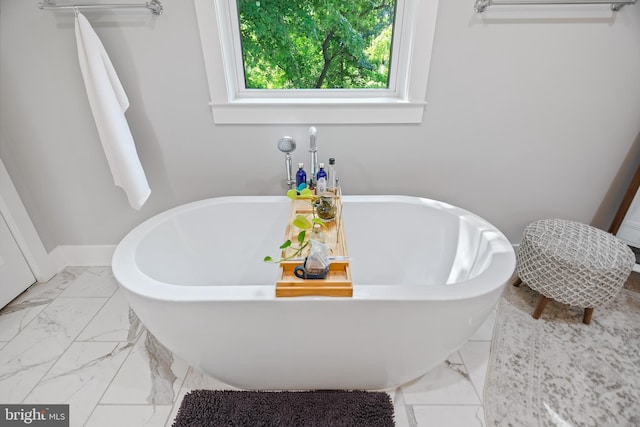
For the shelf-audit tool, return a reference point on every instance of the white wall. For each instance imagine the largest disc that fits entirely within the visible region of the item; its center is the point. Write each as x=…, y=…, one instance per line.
x=531, y=113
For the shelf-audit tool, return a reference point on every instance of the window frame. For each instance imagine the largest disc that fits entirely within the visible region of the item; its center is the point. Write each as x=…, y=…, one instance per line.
x=403, y=102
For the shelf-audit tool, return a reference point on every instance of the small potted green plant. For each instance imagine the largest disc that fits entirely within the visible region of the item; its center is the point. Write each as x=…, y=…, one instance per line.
x=303, y=223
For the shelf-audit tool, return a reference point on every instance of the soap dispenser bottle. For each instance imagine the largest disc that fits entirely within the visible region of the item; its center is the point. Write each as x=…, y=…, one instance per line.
x=301, y=175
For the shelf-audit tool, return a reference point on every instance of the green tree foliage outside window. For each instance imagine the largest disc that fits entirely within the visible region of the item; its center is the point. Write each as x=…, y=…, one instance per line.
x=316, y=44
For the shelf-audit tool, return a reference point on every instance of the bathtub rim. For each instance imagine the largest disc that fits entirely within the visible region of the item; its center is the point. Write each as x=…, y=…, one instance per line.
x=132, y=279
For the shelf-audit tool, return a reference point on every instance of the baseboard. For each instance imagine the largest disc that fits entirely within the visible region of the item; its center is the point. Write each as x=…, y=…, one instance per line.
x=82, y=255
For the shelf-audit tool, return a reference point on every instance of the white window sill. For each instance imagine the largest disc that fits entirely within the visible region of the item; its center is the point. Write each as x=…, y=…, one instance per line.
x=318, y=111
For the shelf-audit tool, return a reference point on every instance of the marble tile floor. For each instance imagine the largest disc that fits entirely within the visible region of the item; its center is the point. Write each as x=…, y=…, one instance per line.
x=74, y=340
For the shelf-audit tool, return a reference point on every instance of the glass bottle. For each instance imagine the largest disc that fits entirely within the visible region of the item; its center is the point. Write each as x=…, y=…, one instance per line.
x=321, y=172
x=321, y=186
x=301, y=175
x=331, y=182
x=317, y=234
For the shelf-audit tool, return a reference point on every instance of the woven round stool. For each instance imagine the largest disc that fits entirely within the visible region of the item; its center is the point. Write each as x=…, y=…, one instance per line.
x=572, y=263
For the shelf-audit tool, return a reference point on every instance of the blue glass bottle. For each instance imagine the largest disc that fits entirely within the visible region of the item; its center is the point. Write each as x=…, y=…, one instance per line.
x=301, y=175
x=321, y=172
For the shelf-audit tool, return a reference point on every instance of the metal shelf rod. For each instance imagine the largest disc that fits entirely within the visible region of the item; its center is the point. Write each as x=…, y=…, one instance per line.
x=154, y=6
x=481, y=5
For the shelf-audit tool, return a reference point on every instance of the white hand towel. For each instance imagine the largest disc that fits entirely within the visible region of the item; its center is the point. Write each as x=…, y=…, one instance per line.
x=108, y=103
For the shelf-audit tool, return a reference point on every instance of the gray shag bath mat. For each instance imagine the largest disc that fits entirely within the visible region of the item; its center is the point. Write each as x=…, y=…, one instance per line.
x=226, y=408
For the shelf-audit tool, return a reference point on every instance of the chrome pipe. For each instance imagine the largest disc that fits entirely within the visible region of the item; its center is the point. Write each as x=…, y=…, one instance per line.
x=313, y=149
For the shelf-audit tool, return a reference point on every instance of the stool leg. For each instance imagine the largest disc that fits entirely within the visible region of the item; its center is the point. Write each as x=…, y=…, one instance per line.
x=518, y=282
x=588, y=312
x=540, y=308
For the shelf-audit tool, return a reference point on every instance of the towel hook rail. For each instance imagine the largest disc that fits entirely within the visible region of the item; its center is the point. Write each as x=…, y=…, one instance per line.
x=481, y=5
x=154, y=6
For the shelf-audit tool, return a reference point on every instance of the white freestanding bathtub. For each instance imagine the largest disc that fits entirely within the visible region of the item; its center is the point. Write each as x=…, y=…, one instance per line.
x=425, y=276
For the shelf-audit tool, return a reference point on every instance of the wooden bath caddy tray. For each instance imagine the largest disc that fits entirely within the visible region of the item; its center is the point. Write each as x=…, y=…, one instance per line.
x=338, y=281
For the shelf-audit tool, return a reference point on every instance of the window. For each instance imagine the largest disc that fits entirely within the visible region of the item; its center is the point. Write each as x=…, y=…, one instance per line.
x=312, y=44
x=386, y=86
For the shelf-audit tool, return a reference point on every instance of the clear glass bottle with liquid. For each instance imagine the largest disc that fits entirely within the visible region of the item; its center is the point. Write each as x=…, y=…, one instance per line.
x=331, y=181
x=317, y=234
